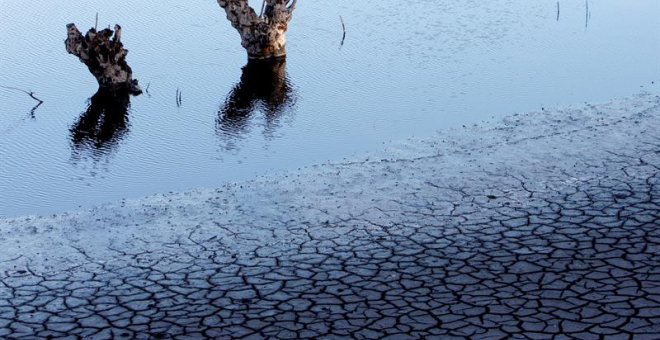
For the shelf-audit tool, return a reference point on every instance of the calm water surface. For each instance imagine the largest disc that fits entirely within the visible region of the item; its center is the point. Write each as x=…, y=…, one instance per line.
x=406, y=69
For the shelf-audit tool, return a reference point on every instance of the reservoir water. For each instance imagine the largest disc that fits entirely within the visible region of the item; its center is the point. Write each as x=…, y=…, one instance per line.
x=405, y=69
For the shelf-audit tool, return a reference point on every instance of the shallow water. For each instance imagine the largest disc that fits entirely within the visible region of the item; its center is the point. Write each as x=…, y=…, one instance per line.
x=404, y=70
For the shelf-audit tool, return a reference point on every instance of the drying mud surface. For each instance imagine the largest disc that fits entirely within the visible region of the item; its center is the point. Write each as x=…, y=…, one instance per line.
x=540, y=225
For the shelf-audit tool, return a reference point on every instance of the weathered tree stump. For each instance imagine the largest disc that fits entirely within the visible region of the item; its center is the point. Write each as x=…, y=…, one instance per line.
x=263, y=35
x=105, y=57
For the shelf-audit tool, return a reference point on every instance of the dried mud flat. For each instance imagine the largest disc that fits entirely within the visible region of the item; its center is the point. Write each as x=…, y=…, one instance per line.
x=544, y=224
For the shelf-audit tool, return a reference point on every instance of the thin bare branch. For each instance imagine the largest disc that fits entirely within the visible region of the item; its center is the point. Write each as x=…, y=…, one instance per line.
x=29, y=93
x=343, y=26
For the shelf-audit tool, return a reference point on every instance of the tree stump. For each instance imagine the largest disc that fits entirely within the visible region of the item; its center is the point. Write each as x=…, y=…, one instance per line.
x=263, y=35
x=105, y=57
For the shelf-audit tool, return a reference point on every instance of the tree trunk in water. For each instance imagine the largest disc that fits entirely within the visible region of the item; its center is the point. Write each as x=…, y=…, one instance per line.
x=104, y=56
x=264, y=35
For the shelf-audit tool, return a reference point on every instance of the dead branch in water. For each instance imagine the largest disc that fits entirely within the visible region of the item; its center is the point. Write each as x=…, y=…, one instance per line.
x=178, y=97
x=587, y=15
x=343, y=27
x=146, y=90
x=29, y=93
x=557, y=10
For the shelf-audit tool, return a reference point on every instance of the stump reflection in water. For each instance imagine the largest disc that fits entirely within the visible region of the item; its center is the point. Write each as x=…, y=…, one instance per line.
x=264, y=88
x=102, y=126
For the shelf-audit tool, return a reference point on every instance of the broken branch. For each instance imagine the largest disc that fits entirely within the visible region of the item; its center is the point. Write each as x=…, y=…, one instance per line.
x=29, y=93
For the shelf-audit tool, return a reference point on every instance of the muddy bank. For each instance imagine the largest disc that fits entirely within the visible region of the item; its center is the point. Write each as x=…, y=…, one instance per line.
x=543, y=223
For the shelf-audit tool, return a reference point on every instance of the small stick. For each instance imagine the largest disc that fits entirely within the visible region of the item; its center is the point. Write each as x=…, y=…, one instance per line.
x=147, y=89
x=29, y=93
x=343, y=27
x=263, y=6
x=557, y=10
x=96, y=23
x=586, y=20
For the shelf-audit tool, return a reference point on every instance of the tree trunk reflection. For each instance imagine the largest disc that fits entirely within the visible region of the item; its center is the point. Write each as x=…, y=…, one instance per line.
x=264, y=88
x=105, y=122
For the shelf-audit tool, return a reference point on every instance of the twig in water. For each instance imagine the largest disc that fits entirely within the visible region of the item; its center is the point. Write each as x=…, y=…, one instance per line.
x=557, y=10
x=343, y=27
x=586, y=15
x=146, y=90
x=96, y=23
x=29, y=93
x=179, y=100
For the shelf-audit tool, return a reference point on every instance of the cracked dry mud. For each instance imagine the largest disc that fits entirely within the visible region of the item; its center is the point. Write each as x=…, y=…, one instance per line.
x=543, y=225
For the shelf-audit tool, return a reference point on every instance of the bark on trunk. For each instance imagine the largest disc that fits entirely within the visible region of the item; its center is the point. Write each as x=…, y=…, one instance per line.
x=264, y=35
x=105, y=57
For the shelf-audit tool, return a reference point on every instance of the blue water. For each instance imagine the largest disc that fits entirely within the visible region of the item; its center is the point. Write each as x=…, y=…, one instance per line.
x=405, y=69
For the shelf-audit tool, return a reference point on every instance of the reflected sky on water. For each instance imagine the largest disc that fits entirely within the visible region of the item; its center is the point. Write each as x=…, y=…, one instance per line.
x=405, y=69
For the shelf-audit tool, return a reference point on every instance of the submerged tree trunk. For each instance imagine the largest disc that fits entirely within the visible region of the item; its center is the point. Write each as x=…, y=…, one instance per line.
x=105, y=57
x=263, y=35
